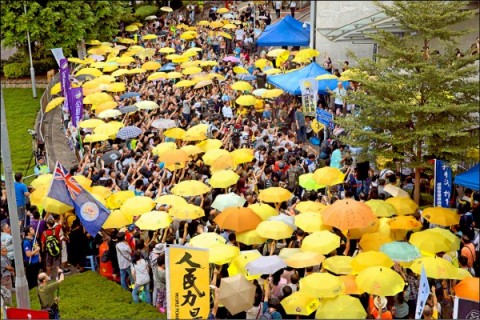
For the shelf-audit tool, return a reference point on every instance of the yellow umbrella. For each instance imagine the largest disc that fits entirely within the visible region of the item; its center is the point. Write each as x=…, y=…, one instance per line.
x=304, y=206
x=215, y=75
x=174, y=75
x=338, y=264
x=54, y=103
x=174, y=157
x=263, y=210
x=192, y=70
x=240, y=70
x=262, y=63
x=323, y=242
x=373, y=241
x=381, y=208
x=310, y=221
x=238, y=264
x=184, y=83
x=223, y=179
x=56, y=89
x=101, y=191
x=441, y=216
x=151, y=65
x=164, y=147
x=89, y=71
x=146, y=105
x=435, y=267
x=403, y=206
x=242, y=155
x=286, y=253
x=300, y=303
x=203, y=23
x=112, y=113
x=93, y=42
x=273, y=93
x=246, y=100
x=380, y=281
x=276, y=52
x=229, y=26
x=250, y=237
x=119, y=72
x=223, y=163
x=369, y=259
x=55, y=206
x=131, y=28
x=126, y=40
x=328, y=176
x=304, y=259
x=340, y=307
x=149, y=36
x=97, y=98
x=276, y=230
x=211, y=155
x=307, y=182
x=166, y=50
x=106, y=129
x=301, y=60
x=83, y=181
x=136, y=71
x=166, y=9
x=322, y=285
x=272, y=71
x=37, y=196
x=95, y=138
x=188, y=35
x=190, y=188
x=191, y=150
x=107, y=105
x=431, y=241
x=157, y=76
x=242, y=85
x=206, y=240
x=176, y=133
x=44, y=179
x=116, y=220
x=275, y=195
x=447, y=234
x=223, y=10
x=124, y=61
x=116, y=87
x=137, y=205
x=222, y=254
x=170, y=200
x=225, y=35
x=209, y=144
x=153, y=220
x=404, y=223
x=188, y=64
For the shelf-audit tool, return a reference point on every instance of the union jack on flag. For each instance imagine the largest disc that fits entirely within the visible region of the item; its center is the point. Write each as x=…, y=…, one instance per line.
x=63, y=175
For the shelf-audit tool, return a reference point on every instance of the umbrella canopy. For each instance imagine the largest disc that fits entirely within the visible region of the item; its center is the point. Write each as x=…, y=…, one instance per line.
x=211, y=155
x=380, y=281
x=452, y=239
x=116, y=200
x=237, y=294
x=146, y=105
x=273, y=93
x=108, y=129
x=396, y=191
x=224, y=201
x=468, y=289
x=223, y=179
x=95, y=138
x=242, y=86
x=300, y=303
x=338, y=264
x=242, y=155
x=312, y=206
x=44, y=179
x=373, y=241
x=187, y=212
x=91, y=123
x=263, y=210
x=365, y=260
x=441, y=216
x=400, y=251
x=170, y=200
x=54, y=103
x=137, y=205
x=246, y=100
x=163, y=123
x=322, y=285
x=310, y=221
x=223, y=163
x=348, y=214
x=222, y=254
x=55, y=206
x=207, y=240
x=111, y=156
x=127, y=95
x=191, y=150
x=116, y=220
x=304, y=259
x=307, y=182
x=265, y=265
x=350, y=283
x=435, y=267
x=404, y=223
x=174, y=157
x=250, y=238
x=288, y=220
x=209, y=144
x=190, y=188
x=381, y=208
x=276, y=230
x=151, y=65
x=112, y=113
x=341, y=307
x=403, y=206
x=238, y=219
x=238, y=264
x=274, y=195
x=153, y=220
x=164, y=147
x=323, y=242
x=328, y=176
x=127, y=109
x=129, y=132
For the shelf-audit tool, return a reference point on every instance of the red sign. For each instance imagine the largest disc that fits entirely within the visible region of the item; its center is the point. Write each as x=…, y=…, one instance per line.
x=15, y=313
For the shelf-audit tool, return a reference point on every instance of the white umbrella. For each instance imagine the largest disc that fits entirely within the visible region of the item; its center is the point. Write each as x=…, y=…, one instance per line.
x=396, y=191
x=265, y=265
x=237, y=294
x=289, y=220
x=164, y=124
x=151, y=17
x=223, y=201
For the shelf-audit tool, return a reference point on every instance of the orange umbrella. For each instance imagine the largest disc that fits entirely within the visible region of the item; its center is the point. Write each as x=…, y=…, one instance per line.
x=403, y=206
x=348, y=214
x=373, y=241
x=238, y=219
x=404, y=223
x=350, y=284
x=174, y=157
x=468, y=288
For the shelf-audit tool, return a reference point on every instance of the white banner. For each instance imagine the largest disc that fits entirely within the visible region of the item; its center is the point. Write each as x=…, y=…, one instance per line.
x=58, y=54
x=309, y=88
x=423, y=293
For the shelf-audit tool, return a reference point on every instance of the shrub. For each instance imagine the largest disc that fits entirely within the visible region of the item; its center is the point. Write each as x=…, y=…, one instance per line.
x=144, y=11
x=18, y=56
x=42, y=66
x=15, y=70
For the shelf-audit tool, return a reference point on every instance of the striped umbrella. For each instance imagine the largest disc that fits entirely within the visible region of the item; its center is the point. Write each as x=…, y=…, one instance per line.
x=129, y=132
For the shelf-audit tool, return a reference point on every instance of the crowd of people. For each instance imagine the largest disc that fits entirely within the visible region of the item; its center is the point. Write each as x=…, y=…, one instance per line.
x=278, y=133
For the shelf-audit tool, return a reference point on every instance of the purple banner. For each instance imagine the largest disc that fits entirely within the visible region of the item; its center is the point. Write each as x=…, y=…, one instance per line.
x=443, y=185
x=65, y=82
x=75, y=103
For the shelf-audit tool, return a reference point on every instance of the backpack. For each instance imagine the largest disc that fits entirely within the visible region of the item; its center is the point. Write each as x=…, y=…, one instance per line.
x=52, y=245
x=293, y=174
x=267, y=315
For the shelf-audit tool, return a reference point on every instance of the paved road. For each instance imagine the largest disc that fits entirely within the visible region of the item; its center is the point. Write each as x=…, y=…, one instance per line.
x=56, y=141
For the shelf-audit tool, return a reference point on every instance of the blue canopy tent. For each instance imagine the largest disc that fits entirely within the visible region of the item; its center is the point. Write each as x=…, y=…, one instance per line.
x=469, y=179
x=290, y=82
x=286, y=32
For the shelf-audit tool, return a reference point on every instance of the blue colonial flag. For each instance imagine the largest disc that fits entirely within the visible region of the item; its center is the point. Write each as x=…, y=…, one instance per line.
x=65, y=189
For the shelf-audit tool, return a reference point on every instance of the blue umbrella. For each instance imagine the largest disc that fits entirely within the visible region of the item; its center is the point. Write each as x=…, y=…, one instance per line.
x=127, y=109
x=246, y=77
x=168, y=67
x=129, y=132
x=129, y=95
x=400, y=251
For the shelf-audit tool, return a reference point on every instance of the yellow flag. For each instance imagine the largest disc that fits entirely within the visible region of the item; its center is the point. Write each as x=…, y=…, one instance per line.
x=317, y=126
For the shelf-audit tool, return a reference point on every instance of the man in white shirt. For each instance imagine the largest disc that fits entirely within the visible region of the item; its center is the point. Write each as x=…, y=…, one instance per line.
x=278, y=7
x=239, y=34
x=227, y=111
x=293, y=6
x=124, y=257
x=340, y=94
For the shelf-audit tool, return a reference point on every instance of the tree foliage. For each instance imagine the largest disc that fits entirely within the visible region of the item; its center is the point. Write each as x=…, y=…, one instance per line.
x=417, y=103
x=59, y=23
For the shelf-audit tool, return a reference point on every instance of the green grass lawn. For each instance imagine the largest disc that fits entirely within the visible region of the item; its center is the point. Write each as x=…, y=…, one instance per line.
x=21, y=110
x=91, y=296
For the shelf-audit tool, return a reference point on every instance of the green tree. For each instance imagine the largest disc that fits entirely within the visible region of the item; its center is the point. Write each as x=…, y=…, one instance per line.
x=417, y=103
x=59, y=23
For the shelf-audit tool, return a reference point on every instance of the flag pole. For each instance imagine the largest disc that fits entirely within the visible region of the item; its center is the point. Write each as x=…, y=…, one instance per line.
x=21, y=285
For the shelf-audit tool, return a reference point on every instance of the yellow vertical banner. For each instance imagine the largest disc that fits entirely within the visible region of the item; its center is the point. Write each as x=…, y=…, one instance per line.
x=188, y=283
